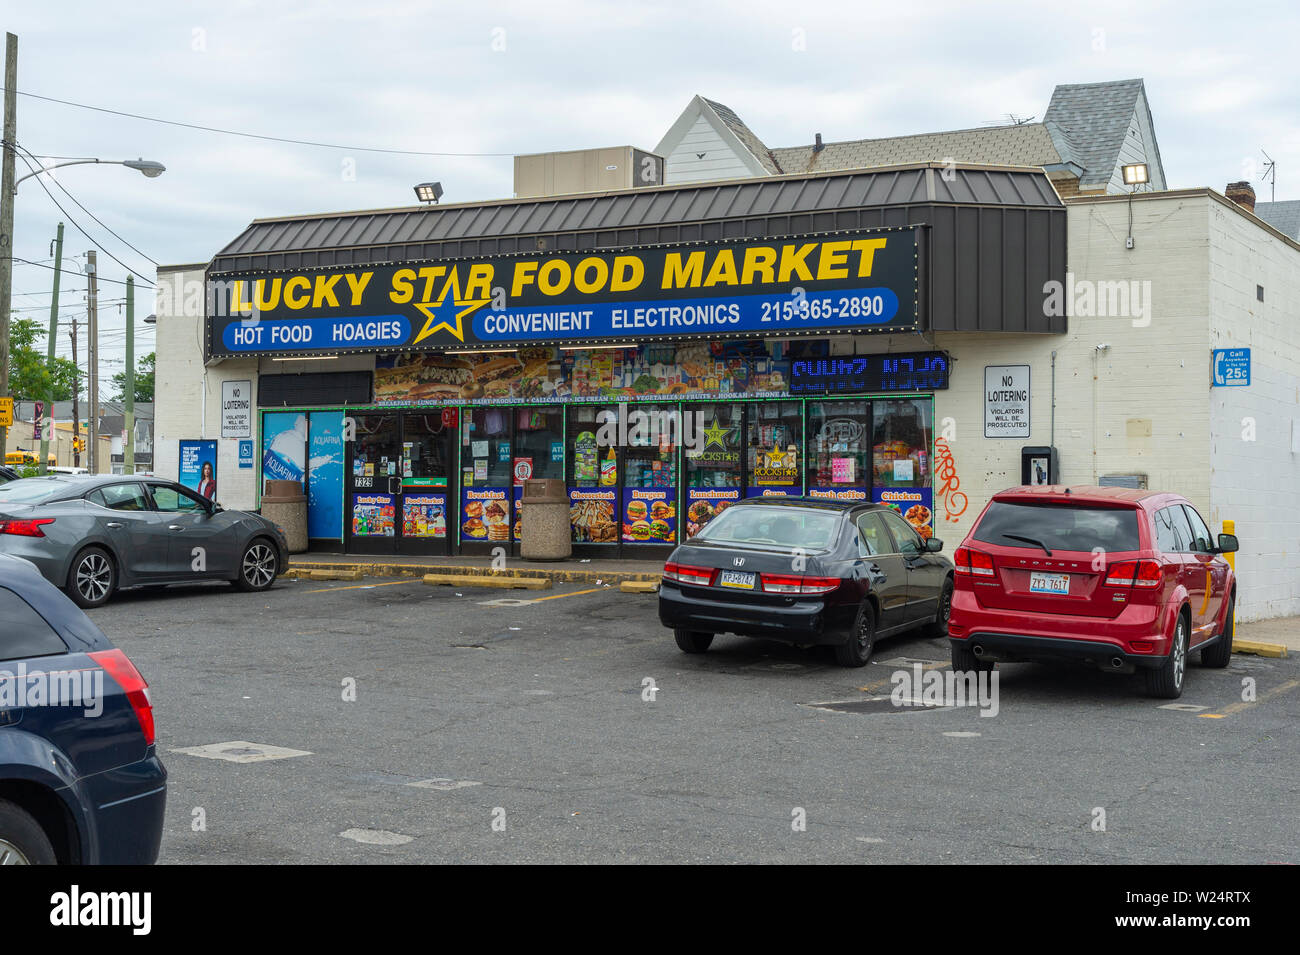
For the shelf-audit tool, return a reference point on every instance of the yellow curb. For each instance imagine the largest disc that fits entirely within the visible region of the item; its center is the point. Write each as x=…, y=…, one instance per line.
x=1259, y=648
x=335, y=575
x=386, y=569
x=639, y=586
x=482, y=580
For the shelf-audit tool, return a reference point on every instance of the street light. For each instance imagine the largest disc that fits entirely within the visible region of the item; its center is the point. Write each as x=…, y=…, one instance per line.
x=147, y=167
x=429, y=192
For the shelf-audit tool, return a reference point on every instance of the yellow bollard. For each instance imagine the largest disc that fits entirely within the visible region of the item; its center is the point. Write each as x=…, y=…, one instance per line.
x=1230, y=527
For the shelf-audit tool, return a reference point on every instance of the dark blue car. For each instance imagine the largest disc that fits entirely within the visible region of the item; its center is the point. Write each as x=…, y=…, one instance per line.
x=80, y=779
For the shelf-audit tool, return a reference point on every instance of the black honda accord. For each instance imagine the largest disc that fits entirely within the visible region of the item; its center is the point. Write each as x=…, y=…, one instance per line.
x=806, y=571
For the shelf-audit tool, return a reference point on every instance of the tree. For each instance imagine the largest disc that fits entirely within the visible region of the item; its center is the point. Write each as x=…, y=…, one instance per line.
x=143, y=380
x=29, y=375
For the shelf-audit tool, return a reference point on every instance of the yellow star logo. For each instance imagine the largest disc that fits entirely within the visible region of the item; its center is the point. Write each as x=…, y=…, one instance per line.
x=435, y=315
x=776, y=456
x=715, y=435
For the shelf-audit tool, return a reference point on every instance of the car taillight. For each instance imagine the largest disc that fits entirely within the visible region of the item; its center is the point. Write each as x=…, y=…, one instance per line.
x=798, y=584
x=686, y=574
x=120, y=668
x=1134, y=573
x=973, y=562
x=25, y=528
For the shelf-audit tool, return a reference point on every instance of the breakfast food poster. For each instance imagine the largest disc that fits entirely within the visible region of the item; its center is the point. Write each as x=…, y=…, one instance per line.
x=650, y=515
x=703, y=504
x=485, y=514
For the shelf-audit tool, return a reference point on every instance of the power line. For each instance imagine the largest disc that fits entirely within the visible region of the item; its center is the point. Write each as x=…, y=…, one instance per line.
x=41, y=265
x=19, y=153
x=235, y=132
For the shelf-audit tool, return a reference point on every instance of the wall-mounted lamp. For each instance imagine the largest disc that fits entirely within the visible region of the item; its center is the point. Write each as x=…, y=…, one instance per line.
x=429, y=192
x=1135, y=174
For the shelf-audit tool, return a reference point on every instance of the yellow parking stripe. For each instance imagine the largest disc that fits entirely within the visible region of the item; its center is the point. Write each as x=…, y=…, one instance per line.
x=330, y=590
x=1232, y=708
x=574, y=594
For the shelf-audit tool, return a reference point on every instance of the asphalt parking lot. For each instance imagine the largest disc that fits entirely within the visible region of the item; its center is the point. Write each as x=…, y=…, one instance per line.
x=484, y=731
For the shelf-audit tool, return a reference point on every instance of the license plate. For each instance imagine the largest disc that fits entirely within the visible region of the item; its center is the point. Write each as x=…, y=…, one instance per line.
x=1049, y=583
x=733, y=578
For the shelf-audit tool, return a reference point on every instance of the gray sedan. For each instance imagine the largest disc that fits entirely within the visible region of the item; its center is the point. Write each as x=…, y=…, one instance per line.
x=95, y=534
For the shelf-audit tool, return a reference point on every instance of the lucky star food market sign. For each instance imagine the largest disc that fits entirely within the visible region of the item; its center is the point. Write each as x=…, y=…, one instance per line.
x=803, y=285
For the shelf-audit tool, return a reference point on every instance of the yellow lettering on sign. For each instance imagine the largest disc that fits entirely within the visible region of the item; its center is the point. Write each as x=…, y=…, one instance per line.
x=629, y=271
x=723, y=270
x=241, y=305
x=759, y=260
x=267, y=303
x=599, y=275
x=324, y=291
x=480, y=282
x=868, y=248
x=834, y=261
x=291, y=287
x=553, y=278
x=683, y=275
x=792, y=262
x=429, y=273
x=525, y=274
x=403, y=291
x=357, y=285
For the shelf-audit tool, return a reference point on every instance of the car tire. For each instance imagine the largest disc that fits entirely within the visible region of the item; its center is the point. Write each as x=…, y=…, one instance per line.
x=1166, y=681
x=22, y=840
x=257, y=566
x=938, y=627
x=856, y=650
x=965, y=661
x=92, y=578
x=1219, y=654
x=693, y=641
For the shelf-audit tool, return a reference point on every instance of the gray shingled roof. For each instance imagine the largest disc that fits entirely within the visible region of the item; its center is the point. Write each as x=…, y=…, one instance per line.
x=745, y=135
x=1095, y=117
x=1283, y=216
x=1028, y=144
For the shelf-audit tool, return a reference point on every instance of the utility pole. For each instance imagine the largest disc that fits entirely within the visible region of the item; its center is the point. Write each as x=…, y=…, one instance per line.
x=7, y=217
x=92, y=360
x=128, y=447
x=47, y=425
x=76, y=400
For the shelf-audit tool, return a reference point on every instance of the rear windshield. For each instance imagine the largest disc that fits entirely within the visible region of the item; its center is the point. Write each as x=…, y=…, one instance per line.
x=783, y=526
x=33, y=490
x=1059, y=527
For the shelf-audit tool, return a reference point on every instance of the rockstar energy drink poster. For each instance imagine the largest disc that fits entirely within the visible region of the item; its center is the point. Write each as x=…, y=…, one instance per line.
x=801, y=285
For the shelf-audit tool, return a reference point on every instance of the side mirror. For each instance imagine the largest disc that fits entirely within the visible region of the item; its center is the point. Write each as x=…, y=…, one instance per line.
x=1228, y=543
x=933, y=545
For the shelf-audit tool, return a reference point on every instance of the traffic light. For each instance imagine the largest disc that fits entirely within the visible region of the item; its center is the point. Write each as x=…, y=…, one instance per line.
x=79, y=445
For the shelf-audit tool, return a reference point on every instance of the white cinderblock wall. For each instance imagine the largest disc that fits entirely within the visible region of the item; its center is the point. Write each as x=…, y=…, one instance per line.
x=1255, y=479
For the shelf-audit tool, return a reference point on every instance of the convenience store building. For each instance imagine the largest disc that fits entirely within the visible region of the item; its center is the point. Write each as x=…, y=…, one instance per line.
x=665, y=351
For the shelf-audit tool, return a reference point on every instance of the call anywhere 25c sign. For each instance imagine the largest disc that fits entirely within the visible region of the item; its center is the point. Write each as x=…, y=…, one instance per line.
x=803, y=285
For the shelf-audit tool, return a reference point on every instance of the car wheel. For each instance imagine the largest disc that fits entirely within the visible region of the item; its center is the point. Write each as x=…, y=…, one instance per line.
x=965, y=661
x=22, y=840
x=1166, y=681
x=856, y=650
x=257, y=566
x=693, y=641
x=1220, y=654
x=92, y=577
x=938, y=627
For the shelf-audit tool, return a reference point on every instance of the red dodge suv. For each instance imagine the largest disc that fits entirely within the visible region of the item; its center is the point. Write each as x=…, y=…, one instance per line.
x=1117, y=578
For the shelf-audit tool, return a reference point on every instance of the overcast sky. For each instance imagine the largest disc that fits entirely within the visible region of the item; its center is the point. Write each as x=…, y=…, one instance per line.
x=506, y=78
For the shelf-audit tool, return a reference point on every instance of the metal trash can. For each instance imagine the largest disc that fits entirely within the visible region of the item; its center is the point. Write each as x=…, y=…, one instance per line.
x=545, y=532
x=285, y=503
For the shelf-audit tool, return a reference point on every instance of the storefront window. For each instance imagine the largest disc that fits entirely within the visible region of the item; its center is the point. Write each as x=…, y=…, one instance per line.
x=902, y=430
x=838, y=450
x=649, y=498
x=538, y=452
x=715, y=474
x=593, y=474
x=486, y=474
x=775, y=448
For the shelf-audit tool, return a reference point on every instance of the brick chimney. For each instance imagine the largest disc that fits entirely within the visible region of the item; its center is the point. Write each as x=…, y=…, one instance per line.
x=1242, y=193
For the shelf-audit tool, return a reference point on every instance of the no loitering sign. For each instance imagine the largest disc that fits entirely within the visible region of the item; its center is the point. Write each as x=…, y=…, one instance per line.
x=1006, y=401
x=236, y=409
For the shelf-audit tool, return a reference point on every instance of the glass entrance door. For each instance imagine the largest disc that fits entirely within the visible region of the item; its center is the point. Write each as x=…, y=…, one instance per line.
x=648, y=503
x=374, y=486
x=593, y=473
x=427, y=469
x=715, y=466
x=486, y=479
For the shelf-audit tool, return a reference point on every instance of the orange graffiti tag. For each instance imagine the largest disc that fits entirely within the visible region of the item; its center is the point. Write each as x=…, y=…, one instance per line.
x=945, y=469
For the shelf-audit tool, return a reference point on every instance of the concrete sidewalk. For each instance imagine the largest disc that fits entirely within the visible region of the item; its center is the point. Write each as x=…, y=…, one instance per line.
x=403, y=565
x=1283, y=630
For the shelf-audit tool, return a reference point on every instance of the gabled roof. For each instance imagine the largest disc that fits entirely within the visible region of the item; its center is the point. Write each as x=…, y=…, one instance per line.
x=746, y=135
x=1094, y=118
x=1028, y=144
x=1283, y=216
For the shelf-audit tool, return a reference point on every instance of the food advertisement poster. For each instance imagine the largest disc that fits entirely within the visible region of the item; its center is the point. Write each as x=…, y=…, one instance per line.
x=517, y=530
x=916, y=505
x=649, y=515
x=373, y=515
x=485, y=514
x=424, y=515
x=592, y=515
x=705, y=503
x=773, y=491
